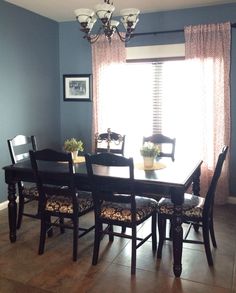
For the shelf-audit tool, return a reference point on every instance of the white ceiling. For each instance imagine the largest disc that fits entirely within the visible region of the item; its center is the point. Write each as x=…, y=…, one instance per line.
x=63, y=10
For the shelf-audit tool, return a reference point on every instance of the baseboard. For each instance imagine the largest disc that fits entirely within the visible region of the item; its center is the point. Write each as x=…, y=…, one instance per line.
x=3, y=205
x=231, y=200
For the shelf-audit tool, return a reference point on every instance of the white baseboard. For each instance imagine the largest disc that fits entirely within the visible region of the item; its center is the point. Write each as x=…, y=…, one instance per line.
x=3, y=205
x=231, y=200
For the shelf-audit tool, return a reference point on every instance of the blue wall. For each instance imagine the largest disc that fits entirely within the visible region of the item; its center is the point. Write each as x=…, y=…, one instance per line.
x=29, y=80
x=75, y=57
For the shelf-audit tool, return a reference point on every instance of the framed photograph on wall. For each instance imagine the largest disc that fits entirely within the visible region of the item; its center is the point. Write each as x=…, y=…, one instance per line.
x=77, y=87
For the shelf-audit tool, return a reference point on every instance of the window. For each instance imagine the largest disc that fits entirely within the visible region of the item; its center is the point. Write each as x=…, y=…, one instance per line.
x=141, y=98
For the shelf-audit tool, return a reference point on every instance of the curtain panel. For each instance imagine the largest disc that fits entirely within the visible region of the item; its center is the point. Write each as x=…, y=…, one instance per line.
x=207, y=49
x=104, y=53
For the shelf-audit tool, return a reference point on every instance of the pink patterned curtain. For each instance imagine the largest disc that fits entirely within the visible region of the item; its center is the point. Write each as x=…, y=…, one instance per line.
x=207, y=49
x=104, y=54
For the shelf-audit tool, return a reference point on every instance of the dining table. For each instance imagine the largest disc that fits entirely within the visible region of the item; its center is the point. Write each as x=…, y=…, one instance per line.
x=167, y=178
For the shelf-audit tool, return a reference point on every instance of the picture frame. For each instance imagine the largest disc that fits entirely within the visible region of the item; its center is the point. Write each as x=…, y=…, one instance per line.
x=77, y=87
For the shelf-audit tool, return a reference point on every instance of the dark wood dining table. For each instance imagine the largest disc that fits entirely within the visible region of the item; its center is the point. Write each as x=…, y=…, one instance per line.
x=172, y=180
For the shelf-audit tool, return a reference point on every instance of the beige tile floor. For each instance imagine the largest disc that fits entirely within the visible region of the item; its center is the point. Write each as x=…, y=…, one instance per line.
x=23, y=270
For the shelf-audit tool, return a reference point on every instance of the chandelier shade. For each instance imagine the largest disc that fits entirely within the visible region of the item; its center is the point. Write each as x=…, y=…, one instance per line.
x=104, y=12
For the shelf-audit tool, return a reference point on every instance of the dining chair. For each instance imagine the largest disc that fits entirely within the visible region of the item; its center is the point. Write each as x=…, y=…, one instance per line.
x=116, y=204
x=59, y=198
x=197, y=212
x=19, y=147
x=162, y=140
x=109, y=141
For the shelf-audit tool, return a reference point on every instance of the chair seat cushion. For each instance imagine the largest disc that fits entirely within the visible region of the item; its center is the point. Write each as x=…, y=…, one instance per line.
x=122, y=211
x=192, y=206
x=30, y=192
x=63, y=204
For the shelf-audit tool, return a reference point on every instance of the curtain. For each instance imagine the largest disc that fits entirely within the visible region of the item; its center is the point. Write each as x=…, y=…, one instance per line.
x=104, y=55
x=207, y=50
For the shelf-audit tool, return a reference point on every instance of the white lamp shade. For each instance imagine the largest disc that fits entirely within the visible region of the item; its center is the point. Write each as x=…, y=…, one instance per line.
x=130, y=14
x=104, y=10
x=84, y=14
x=126, y=25
x=114, y=23
x=92, y=22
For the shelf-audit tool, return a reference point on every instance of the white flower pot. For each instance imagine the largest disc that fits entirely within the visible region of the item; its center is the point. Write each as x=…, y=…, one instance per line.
x=148, y=162
x=74, y=155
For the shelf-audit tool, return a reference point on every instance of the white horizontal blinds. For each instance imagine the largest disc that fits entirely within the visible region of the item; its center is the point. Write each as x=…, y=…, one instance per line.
x=157, y=94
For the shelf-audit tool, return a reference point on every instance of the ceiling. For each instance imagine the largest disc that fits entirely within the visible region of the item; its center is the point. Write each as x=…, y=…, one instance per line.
x=63, y=10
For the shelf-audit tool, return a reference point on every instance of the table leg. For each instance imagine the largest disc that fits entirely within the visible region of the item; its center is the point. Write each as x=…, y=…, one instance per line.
x=12, y=211
x=177, y=230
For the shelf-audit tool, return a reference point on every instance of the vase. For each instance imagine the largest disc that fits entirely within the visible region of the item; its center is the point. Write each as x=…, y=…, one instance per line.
x=148, y=162
x=74, y=155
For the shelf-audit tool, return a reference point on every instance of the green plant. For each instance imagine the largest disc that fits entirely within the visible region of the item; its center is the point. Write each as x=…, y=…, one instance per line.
x=150, y=149
x=72, y=145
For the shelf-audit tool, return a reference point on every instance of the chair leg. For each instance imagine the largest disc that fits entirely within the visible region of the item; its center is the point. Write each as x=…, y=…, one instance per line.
x=42, y=238
x=213, y=239
x=49, y=227
x=162, y=232
x=170, y=231
x=154, y=231
x=97, y=235
x=62, y=229
x=111, y=236
x=123, y=229
x=75, y=238
x=133, y=254
x=207, y=244
x=20, y=211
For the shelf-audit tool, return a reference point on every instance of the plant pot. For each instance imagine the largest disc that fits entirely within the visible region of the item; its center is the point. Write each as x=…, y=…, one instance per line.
x=148, y=162
x=74, y=155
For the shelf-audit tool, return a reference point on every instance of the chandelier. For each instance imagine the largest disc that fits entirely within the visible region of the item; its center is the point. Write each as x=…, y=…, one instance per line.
x=87, y=18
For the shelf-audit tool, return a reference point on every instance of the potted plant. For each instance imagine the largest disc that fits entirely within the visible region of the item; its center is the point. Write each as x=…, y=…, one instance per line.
x=149, y=151
x=73, y=145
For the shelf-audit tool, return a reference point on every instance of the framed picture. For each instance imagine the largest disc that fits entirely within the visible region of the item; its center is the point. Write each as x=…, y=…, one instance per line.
x=77, y=87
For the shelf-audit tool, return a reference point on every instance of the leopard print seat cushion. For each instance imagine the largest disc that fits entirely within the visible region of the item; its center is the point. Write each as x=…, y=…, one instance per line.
x=122, y=211
x=192, y=206
x=30, y=192
x=63, y=204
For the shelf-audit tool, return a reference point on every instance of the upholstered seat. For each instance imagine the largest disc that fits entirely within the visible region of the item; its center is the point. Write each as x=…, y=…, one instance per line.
x=122, y=211
x=192, y=206
x=30, y=192
x=64, y=204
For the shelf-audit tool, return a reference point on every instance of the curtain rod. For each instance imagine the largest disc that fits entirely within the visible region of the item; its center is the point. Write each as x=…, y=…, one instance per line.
x=233, y=25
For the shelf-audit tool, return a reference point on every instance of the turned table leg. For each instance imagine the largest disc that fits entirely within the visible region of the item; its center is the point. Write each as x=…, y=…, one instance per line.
x=12, y=211
x=177, y=230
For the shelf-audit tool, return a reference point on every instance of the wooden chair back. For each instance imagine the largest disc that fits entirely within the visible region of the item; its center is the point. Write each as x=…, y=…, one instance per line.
x=109, y=142
x=161, y=139
x=210, y=196
x=105, y=183
x=19, y=147
x=49, y=184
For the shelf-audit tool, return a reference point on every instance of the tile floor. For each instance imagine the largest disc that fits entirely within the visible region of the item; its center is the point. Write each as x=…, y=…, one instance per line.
x=23, y=270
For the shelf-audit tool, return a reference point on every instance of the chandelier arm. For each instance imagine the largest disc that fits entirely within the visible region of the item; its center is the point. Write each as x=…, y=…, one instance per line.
x=124, y=39
x=93, y=38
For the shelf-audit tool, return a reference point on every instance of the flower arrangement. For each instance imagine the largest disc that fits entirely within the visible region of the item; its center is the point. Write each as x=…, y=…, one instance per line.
x=73, y=145
x=150, y=149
